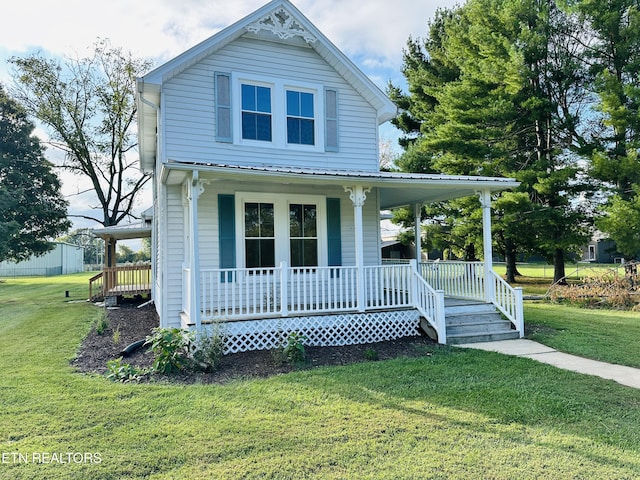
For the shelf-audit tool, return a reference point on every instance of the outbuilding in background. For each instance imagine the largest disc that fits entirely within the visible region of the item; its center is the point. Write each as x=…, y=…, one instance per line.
x=63, y=259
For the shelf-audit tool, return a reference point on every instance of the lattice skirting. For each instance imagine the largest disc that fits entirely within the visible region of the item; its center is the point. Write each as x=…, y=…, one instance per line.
x=322, y=330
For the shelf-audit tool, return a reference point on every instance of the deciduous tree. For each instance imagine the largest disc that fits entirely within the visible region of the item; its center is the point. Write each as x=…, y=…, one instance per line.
x=88, y=106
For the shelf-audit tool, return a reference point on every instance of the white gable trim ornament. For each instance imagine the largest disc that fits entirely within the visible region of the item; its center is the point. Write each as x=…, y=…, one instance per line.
x=282, y=24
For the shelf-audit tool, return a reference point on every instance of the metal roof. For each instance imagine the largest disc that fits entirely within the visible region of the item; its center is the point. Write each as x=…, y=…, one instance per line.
x=396, y=189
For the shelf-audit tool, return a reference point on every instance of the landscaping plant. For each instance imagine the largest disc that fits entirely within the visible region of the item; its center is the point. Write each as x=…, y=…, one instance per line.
x=123, y=372
x=207, y=351
x=171, y=347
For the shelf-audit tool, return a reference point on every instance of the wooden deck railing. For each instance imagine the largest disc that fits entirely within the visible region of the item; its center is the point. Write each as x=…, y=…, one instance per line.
x=121, y=280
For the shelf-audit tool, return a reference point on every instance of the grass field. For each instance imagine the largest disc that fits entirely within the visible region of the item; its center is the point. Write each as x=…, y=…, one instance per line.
x=573, y=271
x=455, y=414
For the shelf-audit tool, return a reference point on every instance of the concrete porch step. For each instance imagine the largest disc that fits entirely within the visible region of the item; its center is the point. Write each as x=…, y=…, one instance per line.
x=477, y=338
x=471, y=321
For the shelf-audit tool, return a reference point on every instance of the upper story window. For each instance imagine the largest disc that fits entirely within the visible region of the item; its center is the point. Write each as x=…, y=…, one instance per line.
x=256, y=113
x=300, y=118
x=272, y=112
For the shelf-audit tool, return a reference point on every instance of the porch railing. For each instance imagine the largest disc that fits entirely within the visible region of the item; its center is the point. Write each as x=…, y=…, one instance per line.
x=457, y=279
x=228, y=294
x=121, y=280
x=467, y=280
x=234, y=294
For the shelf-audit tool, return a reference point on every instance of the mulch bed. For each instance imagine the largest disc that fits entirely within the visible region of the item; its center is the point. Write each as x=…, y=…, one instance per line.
x=128, y=324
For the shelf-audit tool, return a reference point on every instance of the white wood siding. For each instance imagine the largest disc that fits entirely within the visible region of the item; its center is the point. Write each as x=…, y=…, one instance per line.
x=188, y=110
x=174, y=252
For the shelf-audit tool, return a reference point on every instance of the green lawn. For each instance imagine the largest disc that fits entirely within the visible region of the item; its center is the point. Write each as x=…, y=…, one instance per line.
x=455, y=414
x=607, y=335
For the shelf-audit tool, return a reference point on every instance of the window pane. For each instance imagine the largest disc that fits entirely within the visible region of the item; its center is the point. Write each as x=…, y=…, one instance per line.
x=310, y=213
x=293, y=130
x=295, y=220
x=296, y=252
x=293, y=103
x=306, y=105
x=266, y=220
x=306, y=132
x=263, y=128
x=251, y=220
x=249, y=129
x=267, y=253
x=263, y=99
x=249, y=97
x=310, y=253
x=252, y=253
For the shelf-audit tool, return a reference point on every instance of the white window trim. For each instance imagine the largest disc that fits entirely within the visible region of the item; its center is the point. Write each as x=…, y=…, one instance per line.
x=278, y=88
x=281, y=204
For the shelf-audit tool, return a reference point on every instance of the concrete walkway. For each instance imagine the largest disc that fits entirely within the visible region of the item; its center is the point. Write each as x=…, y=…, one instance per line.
x=526, y=348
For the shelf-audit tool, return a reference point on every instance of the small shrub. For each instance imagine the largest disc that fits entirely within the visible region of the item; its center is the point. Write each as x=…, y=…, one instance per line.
x=293, y=350
x=116, y=335
x=123, y=372
x=207, y=351
x=370, y=354
x=101, y=323
x=171, y=347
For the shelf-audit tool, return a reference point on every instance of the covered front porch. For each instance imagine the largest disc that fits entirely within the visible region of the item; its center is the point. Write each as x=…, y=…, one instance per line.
x=354, y=305
x=341, y=303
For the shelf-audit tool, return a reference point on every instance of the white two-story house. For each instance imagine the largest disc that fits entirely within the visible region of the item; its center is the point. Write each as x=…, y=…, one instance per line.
x=263, y=145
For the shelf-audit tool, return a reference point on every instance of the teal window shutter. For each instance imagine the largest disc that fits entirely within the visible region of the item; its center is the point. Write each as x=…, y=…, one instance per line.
x=223, y=107
x=331, y=120
x=334, y=236
x=227, y=231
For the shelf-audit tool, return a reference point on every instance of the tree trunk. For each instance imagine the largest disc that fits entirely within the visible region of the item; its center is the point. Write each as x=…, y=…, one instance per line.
x=510, y=260
x=558, y=267
x=470, y=253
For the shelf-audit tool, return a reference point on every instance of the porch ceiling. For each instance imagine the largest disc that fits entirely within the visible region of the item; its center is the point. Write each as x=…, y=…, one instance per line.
x=396, y=189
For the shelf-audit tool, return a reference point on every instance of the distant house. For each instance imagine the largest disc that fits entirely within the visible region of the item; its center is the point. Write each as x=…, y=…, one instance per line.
x=64, y=258
x=601, y=249
x=263, y=146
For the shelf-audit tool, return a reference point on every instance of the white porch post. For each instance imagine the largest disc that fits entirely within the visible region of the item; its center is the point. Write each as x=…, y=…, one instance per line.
x=485, y=202
x=194, y=190
x=358, y=195
x=417, y=208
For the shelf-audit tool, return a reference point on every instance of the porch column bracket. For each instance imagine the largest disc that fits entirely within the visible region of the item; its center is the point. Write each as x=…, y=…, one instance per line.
x=358, y=195
x=197, y=186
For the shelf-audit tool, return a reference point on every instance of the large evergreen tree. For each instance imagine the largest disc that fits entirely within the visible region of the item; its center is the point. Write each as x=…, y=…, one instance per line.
x=510, y=109
x=612, y=49
x=32, y=209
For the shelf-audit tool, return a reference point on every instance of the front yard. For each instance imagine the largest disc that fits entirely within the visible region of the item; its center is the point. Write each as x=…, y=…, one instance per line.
x=455, y=414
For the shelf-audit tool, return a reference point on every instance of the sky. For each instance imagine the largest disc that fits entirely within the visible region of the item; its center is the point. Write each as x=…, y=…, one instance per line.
x=372, y=33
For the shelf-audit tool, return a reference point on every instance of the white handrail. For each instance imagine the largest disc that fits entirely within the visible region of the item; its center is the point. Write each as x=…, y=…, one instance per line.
x=457, y=279
x=430, y=303
x=509, y=301
x=466, y=280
